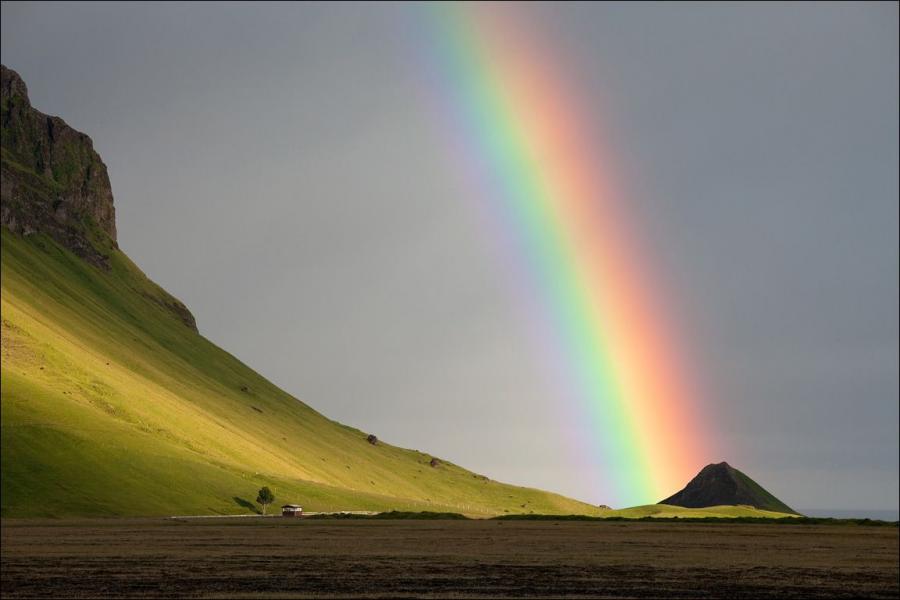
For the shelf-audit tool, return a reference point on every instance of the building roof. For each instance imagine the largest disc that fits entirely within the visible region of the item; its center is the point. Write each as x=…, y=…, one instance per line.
x=292, y=506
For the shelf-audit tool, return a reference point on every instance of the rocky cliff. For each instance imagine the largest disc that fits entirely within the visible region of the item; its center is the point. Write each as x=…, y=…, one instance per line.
x=52, y=179
x=53, y=182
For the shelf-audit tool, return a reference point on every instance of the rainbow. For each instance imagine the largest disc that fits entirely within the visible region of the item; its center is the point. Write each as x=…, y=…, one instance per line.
x=517, y=128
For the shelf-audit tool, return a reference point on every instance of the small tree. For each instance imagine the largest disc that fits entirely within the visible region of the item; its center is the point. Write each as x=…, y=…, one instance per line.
x=265, y=497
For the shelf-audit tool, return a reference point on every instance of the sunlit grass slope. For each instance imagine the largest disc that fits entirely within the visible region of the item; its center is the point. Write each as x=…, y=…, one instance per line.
x=112, y=406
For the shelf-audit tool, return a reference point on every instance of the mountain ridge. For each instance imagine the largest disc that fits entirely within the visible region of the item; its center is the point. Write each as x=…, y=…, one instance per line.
x=112, y=402
x=54, y=182
x=71, y=172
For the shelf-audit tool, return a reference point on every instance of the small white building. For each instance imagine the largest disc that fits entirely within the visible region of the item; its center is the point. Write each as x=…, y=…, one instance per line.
x=291, y=510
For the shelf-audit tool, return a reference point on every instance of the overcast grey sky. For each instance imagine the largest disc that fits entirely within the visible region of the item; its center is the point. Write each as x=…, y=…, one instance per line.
x=275, y=167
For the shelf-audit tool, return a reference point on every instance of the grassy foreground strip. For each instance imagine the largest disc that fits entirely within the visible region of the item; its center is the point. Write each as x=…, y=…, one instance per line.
x=395, y=515
x=724, y=520
x=443, y=516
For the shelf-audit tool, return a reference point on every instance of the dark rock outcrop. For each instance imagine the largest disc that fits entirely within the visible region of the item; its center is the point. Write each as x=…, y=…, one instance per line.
x=721, y=484
x=53, y=181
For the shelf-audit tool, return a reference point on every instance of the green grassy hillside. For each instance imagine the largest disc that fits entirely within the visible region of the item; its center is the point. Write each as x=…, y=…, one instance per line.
x=112, y=406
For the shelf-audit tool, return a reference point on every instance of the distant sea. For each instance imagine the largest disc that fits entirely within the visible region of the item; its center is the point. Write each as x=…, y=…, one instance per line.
x=881, y=515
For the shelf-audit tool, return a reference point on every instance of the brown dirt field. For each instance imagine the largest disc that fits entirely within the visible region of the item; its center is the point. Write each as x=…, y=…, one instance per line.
x=281, y=558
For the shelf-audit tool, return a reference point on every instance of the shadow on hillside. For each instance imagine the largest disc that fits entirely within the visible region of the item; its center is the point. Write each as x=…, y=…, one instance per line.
x=246, y=504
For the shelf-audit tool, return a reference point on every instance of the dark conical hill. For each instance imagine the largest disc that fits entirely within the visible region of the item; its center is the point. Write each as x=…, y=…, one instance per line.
x=721, y=484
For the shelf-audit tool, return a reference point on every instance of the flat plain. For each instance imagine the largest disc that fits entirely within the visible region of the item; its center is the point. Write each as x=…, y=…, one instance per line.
x=305, y=558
